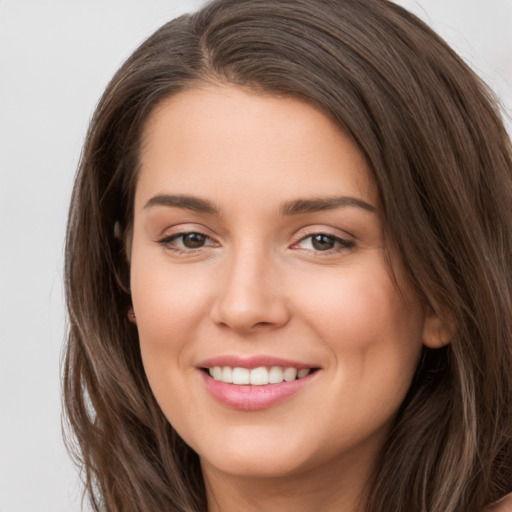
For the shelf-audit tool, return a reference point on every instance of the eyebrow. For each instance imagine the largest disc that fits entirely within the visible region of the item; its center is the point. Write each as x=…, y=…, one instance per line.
x=295, y=207
x=192, y=203
x=300, y=206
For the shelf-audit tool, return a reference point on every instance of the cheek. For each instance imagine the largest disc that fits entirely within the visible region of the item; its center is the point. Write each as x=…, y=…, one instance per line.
x=373, y=332
x=170, y=303
x=374, y=338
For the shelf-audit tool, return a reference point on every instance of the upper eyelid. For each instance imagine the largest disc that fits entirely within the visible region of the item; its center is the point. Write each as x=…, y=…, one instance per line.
x=174, y=236
x=170, y=243
x=183, y=229
x=343, y=241
x=330, y=231
x=326, y=233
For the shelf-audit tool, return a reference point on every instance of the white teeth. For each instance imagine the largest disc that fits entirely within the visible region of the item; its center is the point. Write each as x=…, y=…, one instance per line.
x=240, y=376
x=275, y=375
x=290, y=374
x=257, y=376
x=303, y=373
x=227, y=374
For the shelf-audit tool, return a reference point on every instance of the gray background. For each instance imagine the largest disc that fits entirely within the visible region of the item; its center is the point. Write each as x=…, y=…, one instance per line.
x=55, y=59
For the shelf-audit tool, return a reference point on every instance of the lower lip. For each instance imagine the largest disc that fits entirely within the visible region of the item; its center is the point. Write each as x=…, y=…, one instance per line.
x=251, y=398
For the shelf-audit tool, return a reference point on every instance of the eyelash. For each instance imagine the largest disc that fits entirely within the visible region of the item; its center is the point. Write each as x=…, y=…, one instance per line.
x=341, y=244
x=168, y=242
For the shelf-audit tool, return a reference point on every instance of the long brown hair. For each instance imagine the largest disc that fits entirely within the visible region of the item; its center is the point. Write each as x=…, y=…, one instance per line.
x=442, y=161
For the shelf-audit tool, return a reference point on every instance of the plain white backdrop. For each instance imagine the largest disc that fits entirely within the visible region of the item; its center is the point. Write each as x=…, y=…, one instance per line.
x=56, y=57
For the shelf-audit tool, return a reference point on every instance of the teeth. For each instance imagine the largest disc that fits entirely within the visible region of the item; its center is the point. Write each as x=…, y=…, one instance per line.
x=290, y=374
x=240, y=376
x=275, y=375
x=227, y=374
x=257, y=376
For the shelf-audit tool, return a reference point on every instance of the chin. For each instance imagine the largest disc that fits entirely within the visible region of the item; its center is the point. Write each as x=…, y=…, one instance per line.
x=267, y=465
x=258, y=457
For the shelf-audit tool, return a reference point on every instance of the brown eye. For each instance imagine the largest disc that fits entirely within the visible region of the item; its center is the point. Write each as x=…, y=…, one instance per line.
x=187, y=241
x=322, y=242
x=193, y=240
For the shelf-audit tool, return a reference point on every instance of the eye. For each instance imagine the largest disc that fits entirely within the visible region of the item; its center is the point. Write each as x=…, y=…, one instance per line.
x=188, y=241
x=193, y=240
x=323, y=242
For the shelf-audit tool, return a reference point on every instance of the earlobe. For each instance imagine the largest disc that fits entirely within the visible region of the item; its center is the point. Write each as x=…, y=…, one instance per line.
x=437, y=331
x=131, y=315
x=118, y=231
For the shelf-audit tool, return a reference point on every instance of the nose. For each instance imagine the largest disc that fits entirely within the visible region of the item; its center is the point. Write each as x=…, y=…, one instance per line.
x=250, y=295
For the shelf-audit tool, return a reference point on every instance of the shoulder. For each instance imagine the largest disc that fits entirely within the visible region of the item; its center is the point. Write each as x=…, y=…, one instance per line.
x=504, y=505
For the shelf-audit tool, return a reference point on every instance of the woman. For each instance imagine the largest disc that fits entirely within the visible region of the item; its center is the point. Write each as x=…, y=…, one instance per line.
x=287, y=270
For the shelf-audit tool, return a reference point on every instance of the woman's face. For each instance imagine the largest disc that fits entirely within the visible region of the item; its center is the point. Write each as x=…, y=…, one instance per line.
x=257, y=256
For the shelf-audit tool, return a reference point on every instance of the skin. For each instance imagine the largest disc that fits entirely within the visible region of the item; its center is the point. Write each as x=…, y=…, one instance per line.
x=258, y=285
x=504, y=505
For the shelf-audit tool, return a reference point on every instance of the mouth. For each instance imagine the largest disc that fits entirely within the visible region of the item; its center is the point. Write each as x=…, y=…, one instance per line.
x=260, y=376
x=255, y=383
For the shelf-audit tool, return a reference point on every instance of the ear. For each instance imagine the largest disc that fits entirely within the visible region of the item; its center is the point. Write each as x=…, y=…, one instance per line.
x=131, y=315
x=125, y=236
x=438, y=330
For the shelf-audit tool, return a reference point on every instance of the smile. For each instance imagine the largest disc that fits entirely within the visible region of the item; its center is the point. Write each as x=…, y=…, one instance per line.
x=260, y=376
x=255, y=383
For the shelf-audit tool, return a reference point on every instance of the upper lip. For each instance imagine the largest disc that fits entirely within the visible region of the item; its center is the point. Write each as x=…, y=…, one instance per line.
x=252, y=362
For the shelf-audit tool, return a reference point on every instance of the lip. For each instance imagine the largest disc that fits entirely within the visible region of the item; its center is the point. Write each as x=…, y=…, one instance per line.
x=252, y=362
x=248, y=397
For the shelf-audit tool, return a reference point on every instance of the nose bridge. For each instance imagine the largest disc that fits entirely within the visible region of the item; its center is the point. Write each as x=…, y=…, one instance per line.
x=249, y=293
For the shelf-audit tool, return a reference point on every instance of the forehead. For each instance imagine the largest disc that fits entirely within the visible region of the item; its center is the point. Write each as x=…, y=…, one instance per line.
x=223, y=139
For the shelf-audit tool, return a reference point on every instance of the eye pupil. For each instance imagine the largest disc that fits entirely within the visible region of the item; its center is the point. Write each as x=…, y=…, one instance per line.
x=193, y=240
x=322, y=242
